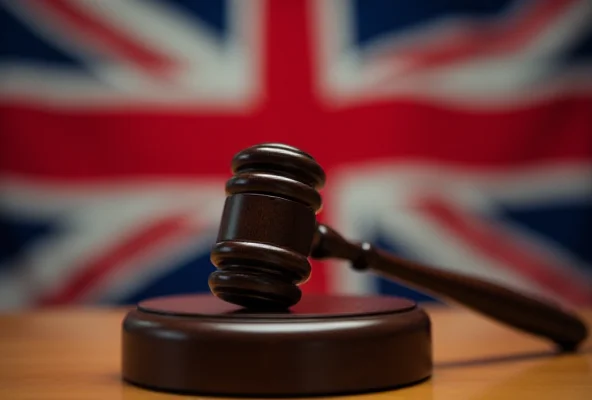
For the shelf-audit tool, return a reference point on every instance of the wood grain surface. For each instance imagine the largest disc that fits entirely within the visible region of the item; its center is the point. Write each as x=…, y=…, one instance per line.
x=74, y=354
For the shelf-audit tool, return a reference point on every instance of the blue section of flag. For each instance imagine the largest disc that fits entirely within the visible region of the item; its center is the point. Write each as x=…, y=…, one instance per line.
x=20, y=43
x=377, y=18
x=568, y=224
x=190, y=276
x=391, y=286
x=581, y=51
x=212, y=12
x=18, y=235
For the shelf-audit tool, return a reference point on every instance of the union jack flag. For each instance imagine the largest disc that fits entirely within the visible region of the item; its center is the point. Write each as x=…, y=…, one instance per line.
x=454, y=133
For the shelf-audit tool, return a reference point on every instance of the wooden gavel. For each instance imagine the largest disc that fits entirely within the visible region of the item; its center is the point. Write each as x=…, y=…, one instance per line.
x=269, y=229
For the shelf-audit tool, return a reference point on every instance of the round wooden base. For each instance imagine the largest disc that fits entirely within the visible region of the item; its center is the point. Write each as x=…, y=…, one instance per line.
x=325, y=345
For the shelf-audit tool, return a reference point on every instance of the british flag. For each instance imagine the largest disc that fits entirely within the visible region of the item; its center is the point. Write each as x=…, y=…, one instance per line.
x=454, y=133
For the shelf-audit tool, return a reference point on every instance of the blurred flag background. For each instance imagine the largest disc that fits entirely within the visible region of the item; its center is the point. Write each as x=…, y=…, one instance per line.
x=455, y=133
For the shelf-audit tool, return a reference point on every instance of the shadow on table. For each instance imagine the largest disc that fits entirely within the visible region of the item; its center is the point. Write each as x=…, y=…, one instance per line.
x=509, y=358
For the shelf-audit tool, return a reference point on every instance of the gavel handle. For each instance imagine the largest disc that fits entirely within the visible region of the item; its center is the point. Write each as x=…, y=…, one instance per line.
x=531, y=315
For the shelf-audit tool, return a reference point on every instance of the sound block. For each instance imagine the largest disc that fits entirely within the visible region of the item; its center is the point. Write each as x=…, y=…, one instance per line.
x=324, y=345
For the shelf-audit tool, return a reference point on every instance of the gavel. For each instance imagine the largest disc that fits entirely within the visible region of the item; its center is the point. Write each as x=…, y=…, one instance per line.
x=269, y=230
x=257, y=335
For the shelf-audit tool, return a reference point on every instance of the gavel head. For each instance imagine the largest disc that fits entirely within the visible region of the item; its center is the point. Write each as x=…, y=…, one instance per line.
x=267, y=227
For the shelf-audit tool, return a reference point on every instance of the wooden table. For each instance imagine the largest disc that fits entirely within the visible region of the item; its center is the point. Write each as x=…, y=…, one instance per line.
x=74, y=354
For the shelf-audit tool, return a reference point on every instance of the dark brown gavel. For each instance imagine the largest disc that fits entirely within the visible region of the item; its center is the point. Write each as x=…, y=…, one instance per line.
x=269, y=230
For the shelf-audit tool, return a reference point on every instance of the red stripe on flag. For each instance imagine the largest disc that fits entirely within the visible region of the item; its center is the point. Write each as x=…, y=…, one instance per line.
x=86, y=275
x=107, y=37
x=492, y=242
x=501, y=36
x=99, y=145
x=290, y=89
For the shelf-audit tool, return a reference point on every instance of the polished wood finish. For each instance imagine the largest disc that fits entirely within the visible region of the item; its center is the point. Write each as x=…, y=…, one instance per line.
x=267, y=227
x=325, y=345
x=535, y=316
x=268, y=230
x=74, y=354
